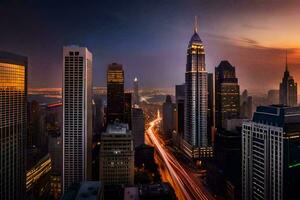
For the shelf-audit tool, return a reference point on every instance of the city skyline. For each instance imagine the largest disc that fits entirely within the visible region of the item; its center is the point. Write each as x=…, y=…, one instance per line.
x=241, y=42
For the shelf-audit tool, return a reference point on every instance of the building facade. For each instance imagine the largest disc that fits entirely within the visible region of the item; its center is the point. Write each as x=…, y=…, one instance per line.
x=195, y=124
x=117, y=155
x=77, y=115
x=167, y=116
x=136, y=96
x=115, y=93
x=288, y=89
x=227, y=92
x=138, y=126
x=13, y=125
x=270, y=153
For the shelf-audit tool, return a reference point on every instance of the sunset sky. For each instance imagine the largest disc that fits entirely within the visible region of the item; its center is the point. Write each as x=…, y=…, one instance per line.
x=150, y=37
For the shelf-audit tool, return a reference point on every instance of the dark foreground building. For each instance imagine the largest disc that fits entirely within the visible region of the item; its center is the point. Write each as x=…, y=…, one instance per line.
x=271, y=153
x=13, y=125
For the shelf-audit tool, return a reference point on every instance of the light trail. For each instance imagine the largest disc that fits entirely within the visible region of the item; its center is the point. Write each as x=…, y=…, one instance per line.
x=188, y=187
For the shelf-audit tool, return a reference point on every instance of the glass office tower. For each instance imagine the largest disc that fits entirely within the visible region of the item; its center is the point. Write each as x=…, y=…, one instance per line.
x=13, y=125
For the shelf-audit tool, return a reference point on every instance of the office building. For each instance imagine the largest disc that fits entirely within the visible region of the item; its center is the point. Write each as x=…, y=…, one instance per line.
x=288, y=89
x=138, y=126
x=115, y=93
x=13, y=125
x=136, y=97
x=246, y=105
x=127, y=109
x=177, y=136
x=227, y=92
x=210, y=109
x=77, y=115
x=270, y=153
x=117, y=155
x=195, y=124
x=273, y=97
x=167, y=116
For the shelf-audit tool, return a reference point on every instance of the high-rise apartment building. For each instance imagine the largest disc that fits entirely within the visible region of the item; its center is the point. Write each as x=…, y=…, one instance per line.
x=195, y=124
x=138, y=126
x=270, y=153
x=115, y=92
x=77, y=115
x=288, y=89
x=117, y=155
x=227, y=93
x=13, y=125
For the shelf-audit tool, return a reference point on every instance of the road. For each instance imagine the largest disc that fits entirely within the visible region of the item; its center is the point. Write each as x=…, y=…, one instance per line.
x=185, y=185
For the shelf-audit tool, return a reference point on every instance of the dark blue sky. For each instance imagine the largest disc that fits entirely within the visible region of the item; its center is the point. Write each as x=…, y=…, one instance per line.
x=149, y=37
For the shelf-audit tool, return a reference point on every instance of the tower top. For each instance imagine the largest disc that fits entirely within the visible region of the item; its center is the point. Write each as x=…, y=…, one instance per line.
x=286, y=60
x=196, y=24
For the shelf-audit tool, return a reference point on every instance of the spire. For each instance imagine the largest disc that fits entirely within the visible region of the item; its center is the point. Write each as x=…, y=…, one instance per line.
x=286, y=60
x=196, y=25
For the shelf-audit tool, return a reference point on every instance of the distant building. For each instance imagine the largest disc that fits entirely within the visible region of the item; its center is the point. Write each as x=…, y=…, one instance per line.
x=117, y=155
x=195, y=142
x=13, y=125
x=54, y=123
x=179, y=115
x=37, y=134
x=136, y=96
x=210, y=108
x=88, y=190
x=167, y=116
x=77, y=115
x=128, y=109
x=115, y=92
x=246, y=105
x=270, y=153
x=288, y=89
x=38, y=179
x=227, y=92
x=138, y=126
x=273, y=97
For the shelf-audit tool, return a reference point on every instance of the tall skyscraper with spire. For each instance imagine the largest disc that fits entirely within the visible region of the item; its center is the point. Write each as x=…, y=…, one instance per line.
x=195, y=125
x=136, y=98
x=288, y=88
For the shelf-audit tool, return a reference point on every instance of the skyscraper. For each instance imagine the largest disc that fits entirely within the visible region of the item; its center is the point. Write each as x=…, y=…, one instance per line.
x=168, y=116
x=288, y=89
x=115, y=92
x=270, y=153
x=179, y=115
x=77, y=115
x=273, y=97
x=136, y=97
x=128, y=109
x=227, y=93
x=210, y=108
x=117, y=155
x=138, y=126
x=13, y=125
x=195, y=123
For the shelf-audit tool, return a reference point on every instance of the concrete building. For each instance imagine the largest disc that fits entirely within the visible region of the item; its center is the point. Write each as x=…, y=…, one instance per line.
x=117, y=155
x=138, y=126
x=77, y=115
x=13, y=125
x=270, y=153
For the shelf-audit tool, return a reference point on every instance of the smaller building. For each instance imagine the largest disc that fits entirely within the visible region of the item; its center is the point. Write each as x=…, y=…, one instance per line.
x=138, y=126
x=88, y=190
x=117, y=155
x=168, y=116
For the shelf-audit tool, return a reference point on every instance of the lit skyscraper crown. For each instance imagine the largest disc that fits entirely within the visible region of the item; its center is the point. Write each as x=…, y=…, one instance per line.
x=195, y=38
